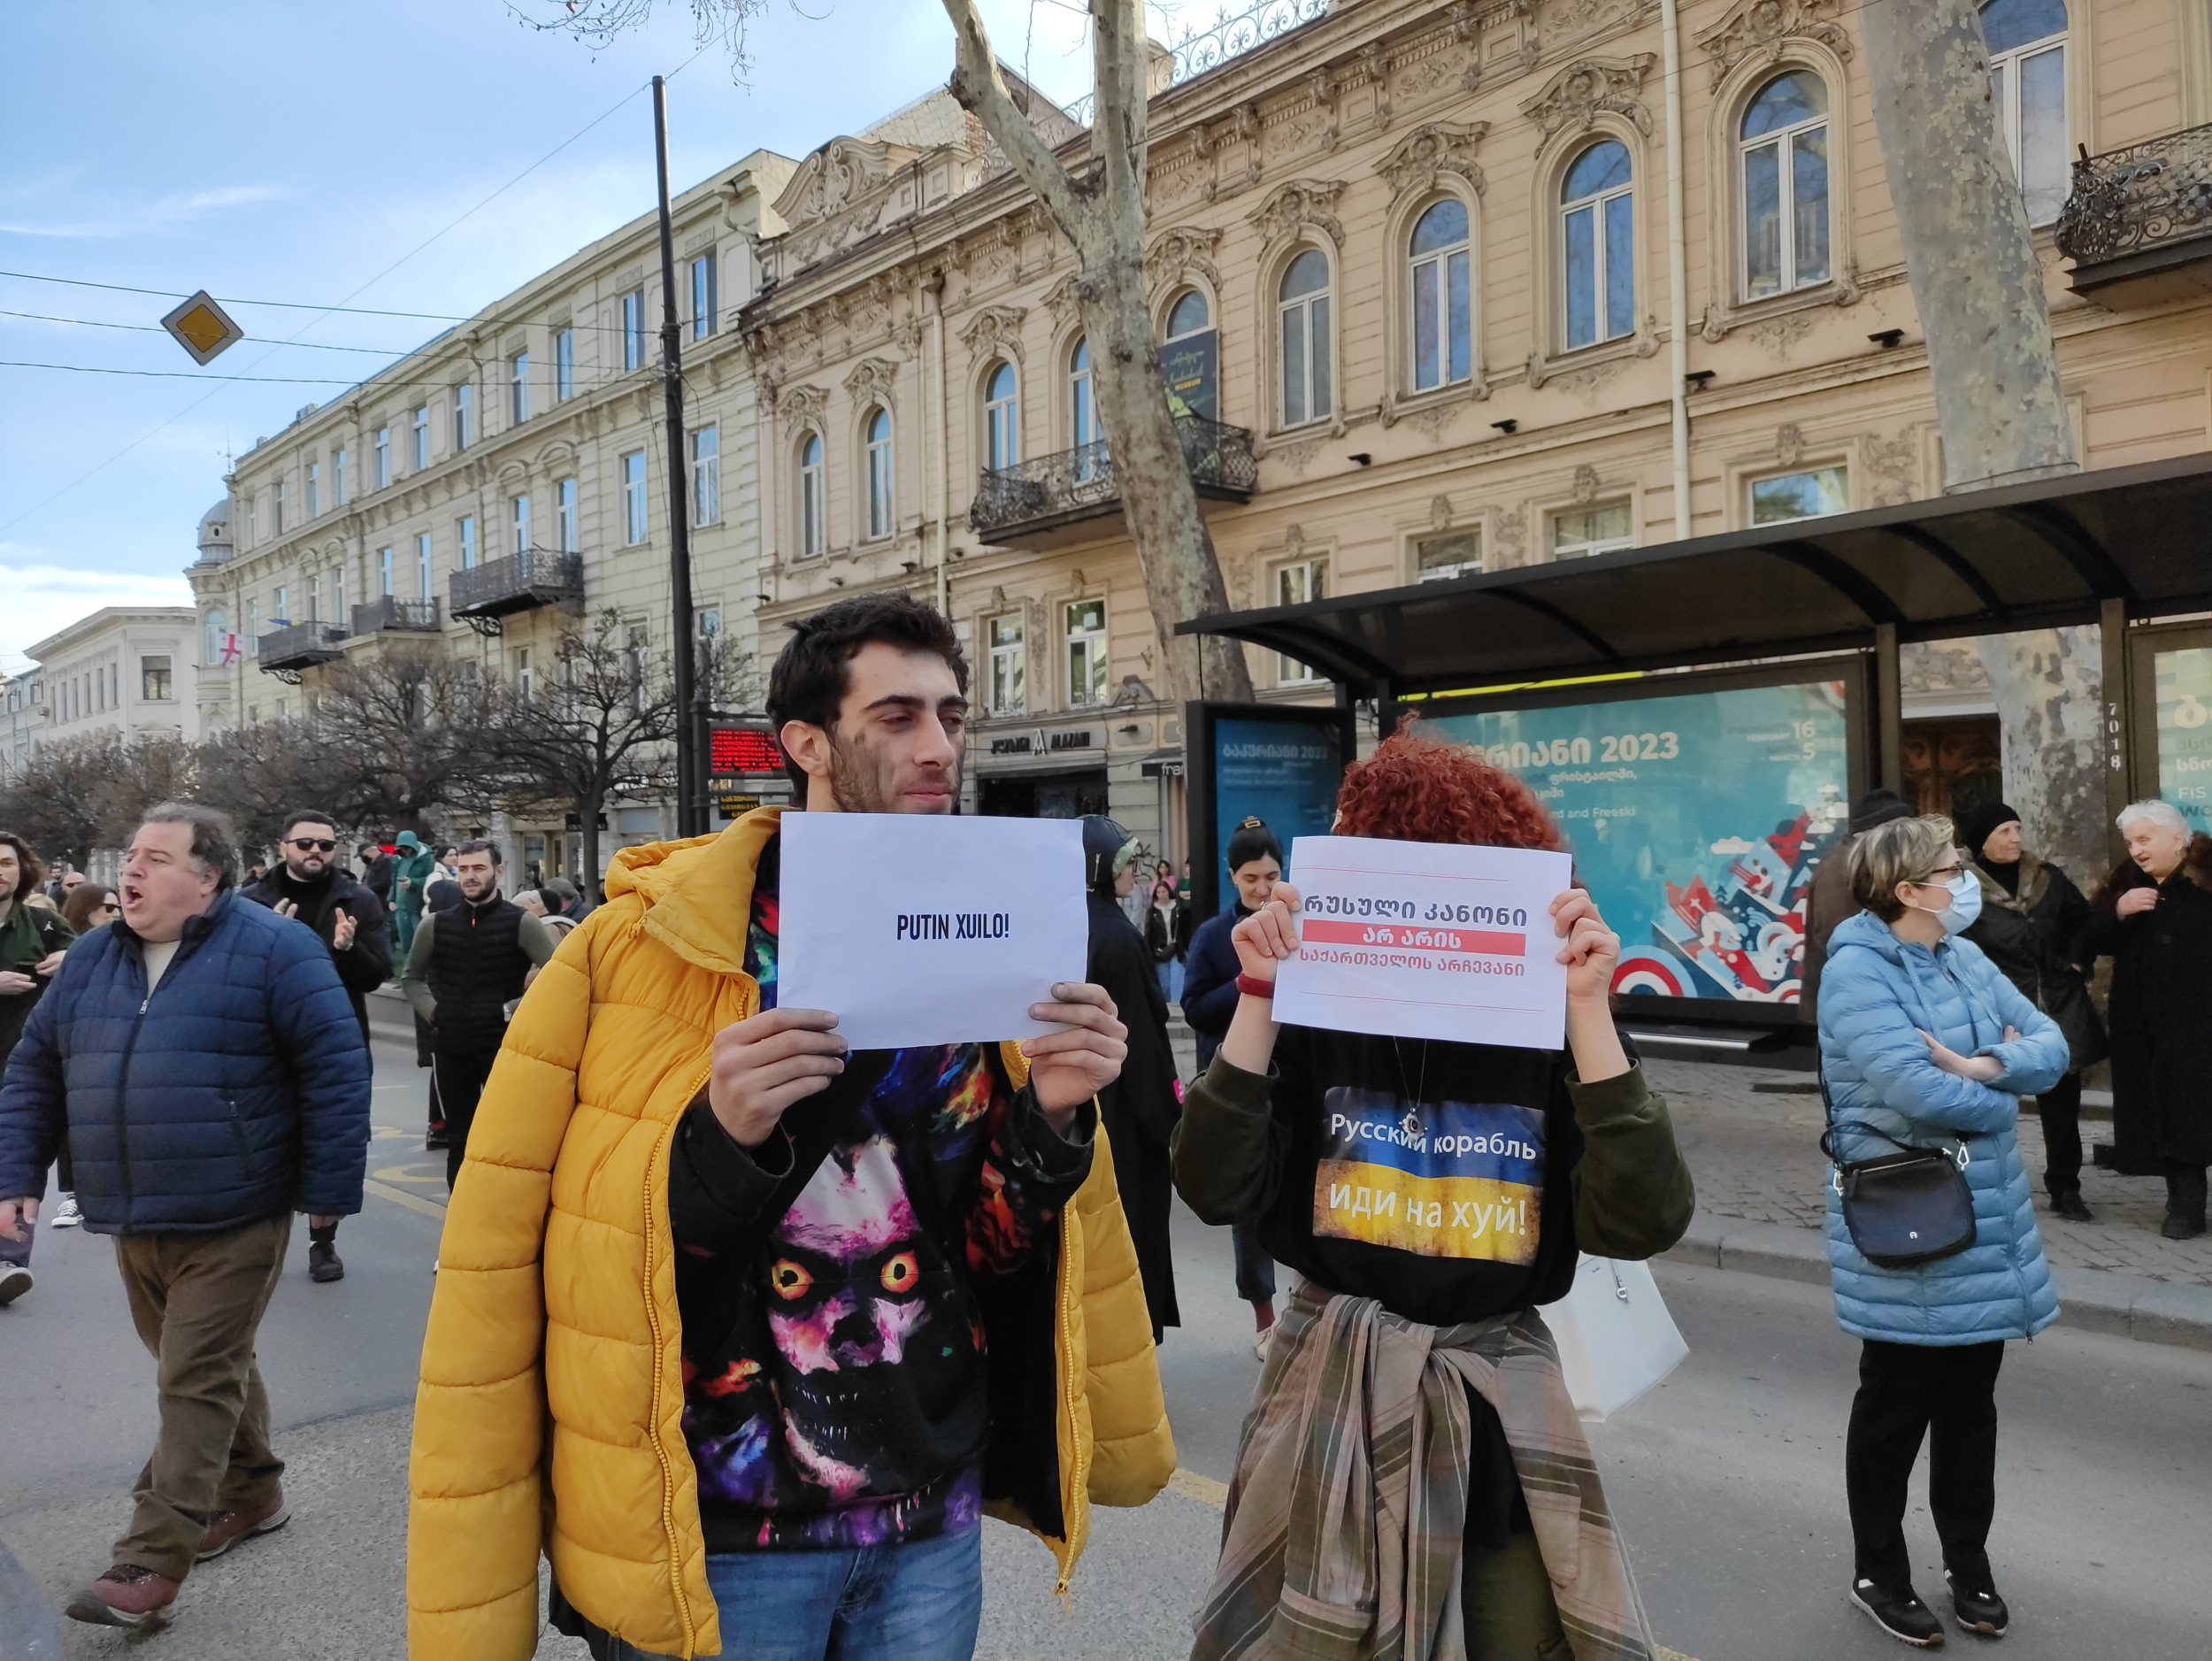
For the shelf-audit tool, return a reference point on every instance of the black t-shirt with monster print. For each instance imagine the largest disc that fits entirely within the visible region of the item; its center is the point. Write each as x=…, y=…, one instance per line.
x=835, y=1390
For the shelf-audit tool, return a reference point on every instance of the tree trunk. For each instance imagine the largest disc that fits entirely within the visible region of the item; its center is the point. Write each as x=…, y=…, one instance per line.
x=1103, y=216
x=2000, y=401
x=588, y=823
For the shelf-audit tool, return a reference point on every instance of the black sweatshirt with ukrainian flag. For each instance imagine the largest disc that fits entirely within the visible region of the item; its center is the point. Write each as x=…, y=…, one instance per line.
x=1451, y=1182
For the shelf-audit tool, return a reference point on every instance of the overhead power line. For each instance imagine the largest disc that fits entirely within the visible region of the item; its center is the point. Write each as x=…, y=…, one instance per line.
x=155, y=328
x=183, y=374
x=290, y=305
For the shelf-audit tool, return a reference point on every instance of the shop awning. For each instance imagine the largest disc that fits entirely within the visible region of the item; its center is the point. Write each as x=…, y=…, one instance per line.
x=2026, y=556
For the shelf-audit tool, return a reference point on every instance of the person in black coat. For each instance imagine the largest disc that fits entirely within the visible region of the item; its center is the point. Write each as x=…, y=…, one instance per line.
x=1167, y=937
x=307, y=884
x=1209, y=1001
x=2153, y=916
x=2033, y=927
x=1140, y=1109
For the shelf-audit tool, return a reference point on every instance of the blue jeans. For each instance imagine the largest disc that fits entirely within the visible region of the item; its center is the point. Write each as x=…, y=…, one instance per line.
x=902, y=1603
x=1171, y=980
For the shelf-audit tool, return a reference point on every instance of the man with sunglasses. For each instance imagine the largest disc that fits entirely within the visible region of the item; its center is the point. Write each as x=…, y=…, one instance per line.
x=308, y=884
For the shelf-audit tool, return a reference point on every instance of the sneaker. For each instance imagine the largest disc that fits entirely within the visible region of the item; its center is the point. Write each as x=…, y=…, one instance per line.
x=1259, y=1342
x=323, y=1264
x=66, y=1215
x=1977, y=1609
x=227, y=1528
x=1899, y=1613
x=15, y=1280
x=126, y=1596
x=2069, y=1205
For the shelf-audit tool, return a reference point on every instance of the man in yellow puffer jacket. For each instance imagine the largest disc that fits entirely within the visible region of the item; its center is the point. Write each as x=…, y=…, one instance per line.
x=783, y=1364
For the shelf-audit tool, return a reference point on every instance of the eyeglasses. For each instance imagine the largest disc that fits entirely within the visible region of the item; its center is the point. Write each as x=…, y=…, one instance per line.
x=320, y=846
x=1941, y=878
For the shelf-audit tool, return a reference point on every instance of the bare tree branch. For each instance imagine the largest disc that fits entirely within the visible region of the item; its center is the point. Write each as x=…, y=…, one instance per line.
x=976, y=85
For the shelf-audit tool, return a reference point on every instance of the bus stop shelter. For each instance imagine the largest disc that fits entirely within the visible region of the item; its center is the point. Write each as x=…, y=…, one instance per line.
x=2127, y=549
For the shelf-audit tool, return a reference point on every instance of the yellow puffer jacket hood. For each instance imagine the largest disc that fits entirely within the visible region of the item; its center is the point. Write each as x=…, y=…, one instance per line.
x=549, y=1414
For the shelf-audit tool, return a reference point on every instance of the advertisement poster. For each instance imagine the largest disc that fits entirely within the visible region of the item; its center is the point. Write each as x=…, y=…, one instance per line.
x=1284, y=772
x=1696, y=820
x=1192, y=368
x=2184, y=733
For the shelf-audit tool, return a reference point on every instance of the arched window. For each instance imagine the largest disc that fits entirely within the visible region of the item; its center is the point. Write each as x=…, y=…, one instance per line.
x=882, y=513
x=1784, y=148
x=1083, y=414
x=2027, y=73
x=1597, y=222
x=218, y=636
x=1441, y=312
x=1001, y=433
x=811, y=529
x=1301, y=322
x=1189, y=315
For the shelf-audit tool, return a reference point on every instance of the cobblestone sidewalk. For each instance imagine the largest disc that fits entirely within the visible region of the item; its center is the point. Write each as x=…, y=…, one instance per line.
x=1756, y=1157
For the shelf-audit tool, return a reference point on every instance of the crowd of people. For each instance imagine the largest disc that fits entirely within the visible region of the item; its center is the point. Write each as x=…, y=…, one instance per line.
x=938, y=1286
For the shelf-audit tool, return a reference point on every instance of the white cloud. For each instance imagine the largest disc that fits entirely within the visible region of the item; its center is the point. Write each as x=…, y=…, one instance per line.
x=1730, y=847
x=180, y=207
x=43, y=598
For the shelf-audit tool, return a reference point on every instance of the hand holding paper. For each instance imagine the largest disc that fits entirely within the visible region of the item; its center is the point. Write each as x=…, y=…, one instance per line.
x=765, y=1064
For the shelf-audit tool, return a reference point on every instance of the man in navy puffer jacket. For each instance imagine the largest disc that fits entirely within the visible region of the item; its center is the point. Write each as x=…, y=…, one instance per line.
x=203, y=1059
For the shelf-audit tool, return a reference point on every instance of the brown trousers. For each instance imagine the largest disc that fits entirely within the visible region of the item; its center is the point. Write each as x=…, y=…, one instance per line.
x=198, y=1302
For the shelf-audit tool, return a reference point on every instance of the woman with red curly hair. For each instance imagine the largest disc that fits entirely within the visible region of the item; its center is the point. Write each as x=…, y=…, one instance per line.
x=1413, y=1475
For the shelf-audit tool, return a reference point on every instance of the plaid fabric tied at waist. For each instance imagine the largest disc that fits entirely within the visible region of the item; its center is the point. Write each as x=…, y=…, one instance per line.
x=1343, y=1537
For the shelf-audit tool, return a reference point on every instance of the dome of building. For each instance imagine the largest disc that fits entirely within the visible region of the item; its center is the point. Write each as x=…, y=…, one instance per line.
x=215, y=543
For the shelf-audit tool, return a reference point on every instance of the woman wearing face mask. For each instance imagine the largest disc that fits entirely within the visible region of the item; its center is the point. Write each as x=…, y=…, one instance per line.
x=1924, y=1038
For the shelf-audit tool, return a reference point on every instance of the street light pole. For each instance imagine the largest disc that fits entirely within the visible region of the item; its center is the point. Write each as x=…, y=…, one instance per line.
x=690, y=810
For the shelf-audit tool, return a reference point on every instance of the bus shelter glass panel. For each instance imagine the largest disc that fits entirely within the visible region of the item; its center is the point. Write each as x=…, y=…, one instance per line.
x=1696, y=820
x=2183, y=692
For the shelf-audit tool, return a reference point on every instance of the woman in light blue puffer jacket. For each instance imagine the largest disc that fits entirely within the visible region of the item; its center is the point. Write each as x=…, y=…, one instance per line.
x=1922, y=1037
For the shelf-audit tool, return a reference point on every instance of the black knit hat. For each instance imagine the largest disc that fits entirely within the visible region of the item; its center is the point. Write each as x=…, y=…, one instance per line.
x=1877, y=807
x=1976, y=823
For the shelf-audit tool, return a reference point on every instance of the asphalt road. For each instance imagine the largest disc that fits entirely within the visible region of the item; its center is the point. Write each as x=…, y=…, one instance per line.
x=1727, y=1479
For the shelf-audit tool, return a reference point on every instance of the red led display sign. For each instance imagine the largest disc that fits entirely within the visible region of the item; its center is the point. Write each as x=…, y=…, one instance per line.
x=733, y=751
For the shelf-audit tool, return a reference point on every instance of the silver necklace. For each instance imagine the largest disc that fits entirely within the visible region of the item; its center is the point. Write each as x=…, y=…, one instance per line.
x=1415, y=1091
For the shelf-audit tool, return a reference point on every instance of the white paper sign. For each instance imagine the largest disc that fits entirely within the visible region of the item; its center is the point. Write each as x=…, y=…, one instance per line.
x=1421, y=940
x=920, y=928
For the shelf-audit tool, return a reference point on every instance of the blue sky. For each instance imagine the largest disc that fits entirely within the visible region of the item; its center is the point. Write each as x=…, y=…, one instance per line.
x=292, y=151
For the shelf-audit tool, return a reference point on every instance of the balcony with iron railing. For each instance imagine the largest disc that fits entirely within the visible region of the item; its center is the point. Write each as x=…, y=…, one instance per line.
x=388, y=611
x=1057, y=499
x=482, y=595
x=284, y=652
x=2137, y=222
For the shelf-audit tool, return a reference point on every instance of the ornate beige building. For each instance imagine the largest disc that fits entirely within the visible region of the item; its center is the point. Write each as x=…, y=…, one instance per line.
x=1413, y=268
x=1412, y=263
x=506, y=480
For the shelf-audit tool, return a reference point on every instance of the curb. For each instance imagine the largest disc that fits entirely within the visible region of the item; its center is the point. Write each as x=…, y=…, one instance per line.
x=2090, y=1300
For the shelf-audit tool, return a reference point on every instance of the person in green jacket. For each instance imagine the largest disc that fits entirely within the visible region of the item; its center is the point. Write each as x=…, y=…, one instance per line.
x=410, y=877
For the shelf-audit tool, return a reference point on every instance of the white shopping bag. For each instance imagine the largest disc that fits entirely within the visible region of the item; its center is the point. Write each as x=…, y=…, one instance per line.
x=1615, y=1336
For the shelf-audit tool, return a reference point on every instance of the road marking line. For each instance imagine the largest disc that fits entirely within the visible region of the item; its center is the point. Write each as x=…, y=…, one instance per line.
x=1204, y=1490
x=401, y=1197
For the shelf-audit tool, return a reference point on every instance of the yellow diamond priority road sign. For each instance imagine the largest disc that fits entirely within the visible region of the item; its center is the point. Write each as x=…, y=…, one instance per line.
x=202, y=327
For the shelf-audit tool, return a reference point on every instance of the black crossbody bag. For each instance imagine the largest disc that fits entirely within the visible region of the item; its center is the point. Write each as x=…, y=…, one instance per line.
x=1904, y=1209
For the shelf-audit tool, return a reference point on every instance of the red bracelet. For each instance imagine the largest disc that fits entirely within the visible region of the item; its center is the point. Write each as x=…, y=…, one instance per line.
x=1253, y=987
